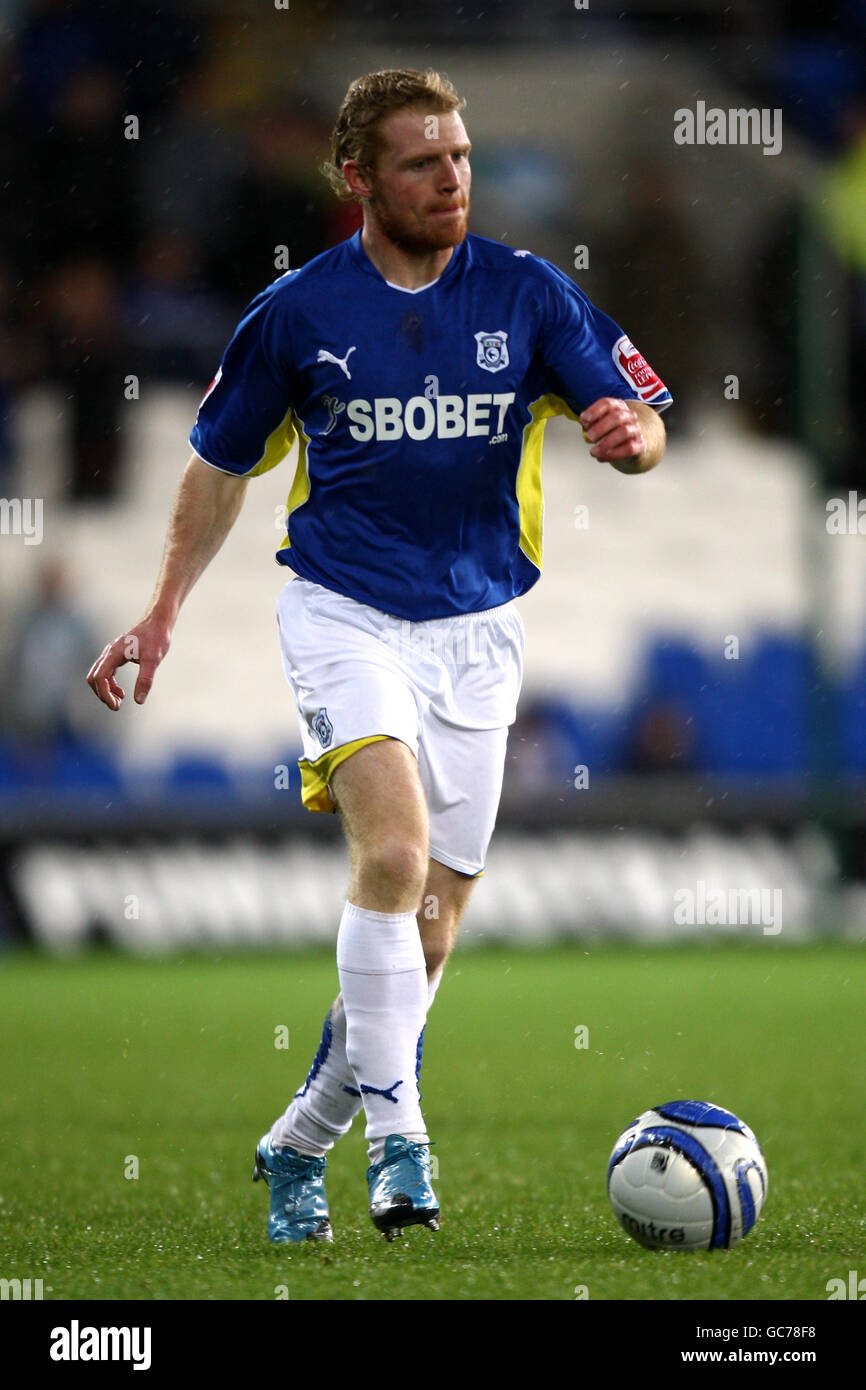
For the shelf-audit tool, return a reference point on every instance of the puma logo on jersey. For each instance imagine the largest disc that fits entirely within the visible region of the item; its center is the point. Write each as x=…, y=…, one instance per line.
x=325, y=356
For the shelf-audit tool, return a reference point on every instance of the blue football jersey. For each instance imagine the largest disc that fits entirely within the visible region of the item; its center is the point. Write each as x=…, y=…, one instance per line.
x=419, y=417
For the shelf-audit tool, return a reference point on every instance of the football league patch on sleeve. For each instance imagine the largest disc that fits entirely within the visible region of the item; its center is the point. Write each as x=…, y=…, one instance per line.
x=633, y=366
x=214, y=383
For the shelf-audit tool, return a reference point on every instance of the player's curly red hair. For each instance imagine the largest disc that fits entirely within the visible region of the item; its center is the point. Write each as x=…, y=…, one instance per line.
x=368, y=100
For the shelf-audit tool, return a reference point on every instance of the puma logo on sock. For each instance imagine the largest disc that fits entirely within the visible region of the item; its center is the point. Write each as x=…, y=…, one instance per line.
x=374, y=1091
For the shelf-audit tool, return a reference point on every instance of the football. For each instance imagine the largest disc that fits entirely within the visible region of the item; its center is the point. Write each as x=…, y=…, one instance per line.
x=687, y=1176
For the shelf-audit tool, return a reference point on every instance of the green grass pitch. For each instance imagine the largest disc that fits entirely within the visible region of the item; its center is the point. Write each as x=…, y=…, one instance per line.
x=174, y=1064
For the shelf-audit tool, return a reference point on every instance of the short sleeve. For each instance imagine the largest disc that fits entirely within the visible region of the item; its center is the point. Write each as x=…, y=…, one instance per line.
x=585, y=355
x=244, y=424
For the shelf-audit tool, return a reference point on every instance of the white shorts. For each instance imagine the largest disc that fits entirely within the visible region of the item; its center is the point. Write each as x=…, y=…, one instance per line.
x=447, y=688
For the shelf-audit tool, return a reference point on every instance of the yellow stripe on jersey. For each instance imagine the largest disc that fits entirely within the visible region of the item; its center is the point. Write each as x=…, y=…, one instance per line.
x=278, y=444
x=300, y=489
x=315, y=776
x=530, y=498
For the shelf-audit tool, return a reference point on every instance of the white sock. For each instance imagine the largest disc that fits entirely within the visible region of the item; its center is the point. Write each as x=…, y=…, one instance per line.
x=383, y=979
x=433, y=985
x=327, y=1103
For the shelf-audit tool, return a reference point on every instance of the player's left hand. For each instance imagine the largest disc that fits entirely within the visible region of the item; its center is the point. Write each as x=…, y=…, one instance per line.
x=613, y=429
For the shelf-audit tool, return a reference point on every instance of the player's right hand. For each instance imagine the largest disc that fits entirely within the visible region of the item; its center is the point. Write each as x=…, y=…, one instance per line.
x=145, y=645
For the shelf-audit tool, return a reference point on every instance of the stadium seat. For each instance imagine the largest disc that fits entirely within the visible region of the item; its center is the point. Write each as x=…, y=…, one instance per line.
x=852, y=711
x=197, y=773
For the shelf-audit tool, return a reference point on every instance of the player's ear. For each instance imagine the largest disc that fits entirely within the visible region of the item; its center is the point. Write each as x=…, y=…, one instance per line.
x=358, y=178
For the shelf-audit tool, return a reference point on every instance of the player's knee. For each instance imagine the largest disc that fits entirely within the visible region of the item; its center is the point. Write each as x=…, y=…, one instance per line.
x=398, y=863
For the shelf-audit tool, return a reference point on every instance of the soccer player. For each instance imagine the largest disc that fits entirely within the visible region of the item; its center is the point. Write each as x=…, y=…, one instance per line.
x=415, y=365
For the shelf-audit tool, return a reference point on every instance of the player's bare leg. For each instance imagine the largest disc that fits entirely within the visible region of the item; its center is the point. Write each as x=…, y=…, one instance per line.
x=446, y=895
x=328, y=1102
x=384, y=810
x=445, y=892
x=383, y=974
x=323, y=1110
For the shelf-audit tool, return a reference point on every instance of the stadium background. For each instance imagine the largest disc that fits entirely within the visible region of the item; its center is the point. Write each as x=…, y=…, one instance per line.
x=697, y=642
x=694, y=708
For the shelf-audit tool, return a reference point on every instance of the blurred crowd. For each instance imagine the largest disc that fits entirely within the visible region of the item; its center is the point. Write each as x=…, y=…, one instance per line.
x=160, y=167
x=144, y=202
x=157, y=156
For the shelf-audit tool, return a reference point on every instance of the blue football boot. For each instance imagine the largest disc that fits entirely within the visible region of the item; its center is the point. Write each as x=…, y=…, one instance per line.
x=400, y=1191
x=299, y=1207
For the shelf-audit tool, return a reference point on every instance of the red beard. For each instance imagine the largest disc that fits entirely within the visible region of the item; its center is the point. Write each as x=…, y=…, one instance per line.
x=420, y=240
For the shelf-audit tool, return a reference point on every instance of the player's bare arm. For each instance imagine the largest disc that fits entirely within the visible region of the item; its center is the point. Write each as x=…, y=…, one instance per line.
x=629, y=435
x=205, y=509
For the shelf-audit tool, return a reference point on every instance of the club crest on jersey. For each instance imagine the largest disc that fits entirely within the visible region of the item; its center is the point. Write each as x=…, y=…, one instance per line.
x=492, y=351
x=323, y=728
x=637, y=371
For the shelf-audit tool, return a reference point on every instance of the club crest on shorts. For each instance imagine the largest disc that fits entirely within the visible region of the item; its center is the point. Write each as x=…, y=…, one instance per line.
x=322, y=728
x=492, y=351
